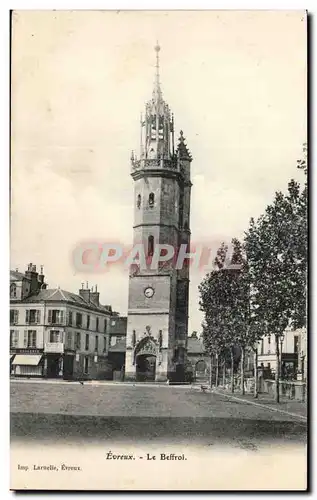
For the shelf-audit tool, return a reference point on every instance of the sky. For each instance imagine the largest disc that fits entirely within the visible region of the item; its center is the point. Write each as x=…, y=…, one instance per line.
x=236, y=82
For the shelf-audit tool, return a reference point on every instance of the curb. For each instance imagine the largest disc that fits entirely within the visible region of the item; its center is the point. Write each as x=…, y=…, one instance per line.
x=271, y=408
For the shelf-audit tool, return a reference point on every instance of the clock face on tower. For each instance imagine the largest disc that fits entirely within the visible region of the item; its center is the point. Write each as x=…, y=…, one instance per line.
x=149, y=292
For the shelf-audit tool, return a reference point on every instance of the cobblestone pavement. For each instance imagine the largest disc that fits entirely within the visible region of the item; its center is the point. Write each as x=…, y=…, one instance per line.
x=71, y=411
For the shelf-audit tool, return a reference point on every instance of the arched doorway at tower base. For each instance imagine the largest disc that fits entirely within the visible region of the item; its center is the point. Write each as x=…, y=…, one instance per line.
x=145, y=367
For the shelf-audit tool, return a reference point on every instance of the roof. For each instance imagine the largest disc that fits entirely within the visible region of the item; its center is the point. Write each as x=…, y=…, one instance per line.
x=195, y=346
x=17, y=276
x=59, y=295
x=118, y=325
x=120, y=345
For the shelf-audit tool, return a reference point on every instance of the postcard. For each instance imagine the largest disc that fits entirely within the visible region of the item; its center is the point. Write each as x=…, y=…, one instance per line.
x=158, y=290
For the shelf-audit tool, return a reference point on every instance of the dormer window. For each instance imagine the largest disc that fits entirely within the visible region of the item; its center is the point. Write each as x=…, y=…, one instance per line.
x=138, y=203
x=151, y=199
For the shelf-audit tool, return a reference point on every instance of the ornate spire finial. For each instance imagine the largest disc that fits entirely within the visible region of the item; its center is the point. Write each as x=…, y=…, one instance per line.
x=157, y=88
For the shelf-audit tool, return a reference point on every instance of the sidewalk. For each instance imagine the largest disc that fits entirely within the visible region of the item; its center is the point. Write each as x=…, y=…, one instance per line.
x=290, y=406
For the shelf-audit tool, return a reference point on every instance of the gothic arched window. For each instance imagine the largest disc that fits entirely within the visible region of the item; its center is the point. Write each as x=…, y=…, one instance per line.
x=150, y=246
x=151, y=199
x=138, y=203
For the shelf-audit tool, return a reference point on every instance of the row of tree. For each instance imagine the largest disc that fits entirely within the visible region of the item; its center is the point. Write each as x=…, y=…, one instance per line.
x=263, y=289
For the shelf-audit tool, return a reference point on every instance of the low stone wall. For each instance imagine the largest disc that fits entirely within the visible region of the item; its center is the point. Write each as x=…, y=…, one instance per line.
x=290, y=389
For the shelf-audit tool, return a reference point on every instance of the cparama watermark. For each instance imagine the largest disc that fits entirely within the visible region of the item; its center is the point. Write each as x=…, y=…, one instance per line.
x=93, y=256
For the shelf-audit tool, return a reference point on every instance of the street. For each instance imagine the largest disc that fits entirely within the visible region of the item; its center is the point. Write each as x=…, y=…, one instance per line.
x=64, y=412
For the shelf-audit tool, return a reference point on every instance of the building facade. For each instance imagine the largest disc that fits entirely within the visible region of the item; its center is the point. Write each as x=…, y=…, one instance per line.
x=158, y=295
x=290, y=354
x=55, y=333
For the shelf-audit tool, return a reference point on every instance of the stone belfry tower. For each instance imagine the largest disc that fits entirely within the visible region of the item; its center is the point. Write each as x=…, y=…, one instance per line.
x=158, y=297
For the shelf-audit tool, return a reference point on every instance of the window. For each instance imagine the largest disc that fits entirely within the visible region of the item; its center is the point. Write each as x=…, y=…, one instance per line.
x=97, y=324
x=32, y=317
x=55, y=336
x=13, y=291
x=87, y=342
x=69, y=340
x=96, y=343
x=56, y=317
x=79, y=320
x=296, y=344
x=14, y=316
x=138, y=203
x=105, y=328
x=77, y=341
x=113, y=340
x=150, y=247
x=269, y=344
x=86, y=364
x=104, y=344
x=70, y=318
x=88, y=321
x=30, y=338
x=14, y=338
x=151, y=199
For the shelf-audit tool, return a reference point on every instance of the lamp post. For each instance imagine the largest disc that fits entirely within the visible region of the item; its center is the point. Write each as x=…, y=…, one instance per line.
x=282, y=337
x=278, y=336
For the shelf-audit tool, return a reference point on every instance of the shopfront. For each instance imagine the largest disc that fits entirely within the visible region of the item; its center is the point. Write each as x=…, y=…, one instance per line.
x=27, y=363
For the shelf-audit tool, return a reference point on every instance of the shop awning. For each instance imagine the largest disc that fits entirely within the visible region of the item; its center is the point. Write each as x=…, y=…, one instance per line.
x=27, y=359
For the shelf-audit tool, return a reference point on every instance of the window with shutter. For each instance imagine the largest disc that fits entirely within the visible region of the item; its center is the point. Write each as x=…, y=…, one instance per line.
x=50, y=316
x=70, y=318
x=25, y=338
x=27, y=316
x=16, y=317
x=37, y=316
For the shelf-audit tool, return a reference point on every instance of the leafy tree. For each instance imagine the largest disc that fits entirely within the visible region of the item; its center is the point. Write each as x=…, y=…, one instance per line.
x=276, y=248
x=223, y=300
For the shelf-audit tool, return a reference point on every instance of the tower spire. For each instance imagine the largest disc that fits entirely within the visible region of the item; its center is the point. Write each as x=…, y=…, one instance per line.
x=157, y=87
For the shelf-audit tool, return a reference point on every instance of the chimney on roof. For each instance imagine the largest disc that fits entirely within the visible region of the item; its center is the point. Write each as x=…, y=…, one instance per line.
x=32, y=275
x=42, y=285
x=85, y=292
x=94, y=296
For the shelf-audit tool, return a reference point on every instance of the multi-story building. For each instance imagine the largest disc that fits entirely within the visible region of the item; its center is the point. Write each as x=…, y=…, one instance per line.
x=117, y=346
x=55, y=333
x=289, y=353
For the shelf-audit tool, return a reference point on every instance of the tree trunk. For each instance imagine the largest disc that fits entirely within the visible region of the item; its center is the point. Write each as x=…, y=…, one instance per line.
x=210, y=374
x=277, y=372
x=217, y=371
x=256, y=384
x=242, y=370
x=224, y=372
x=232, y=374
